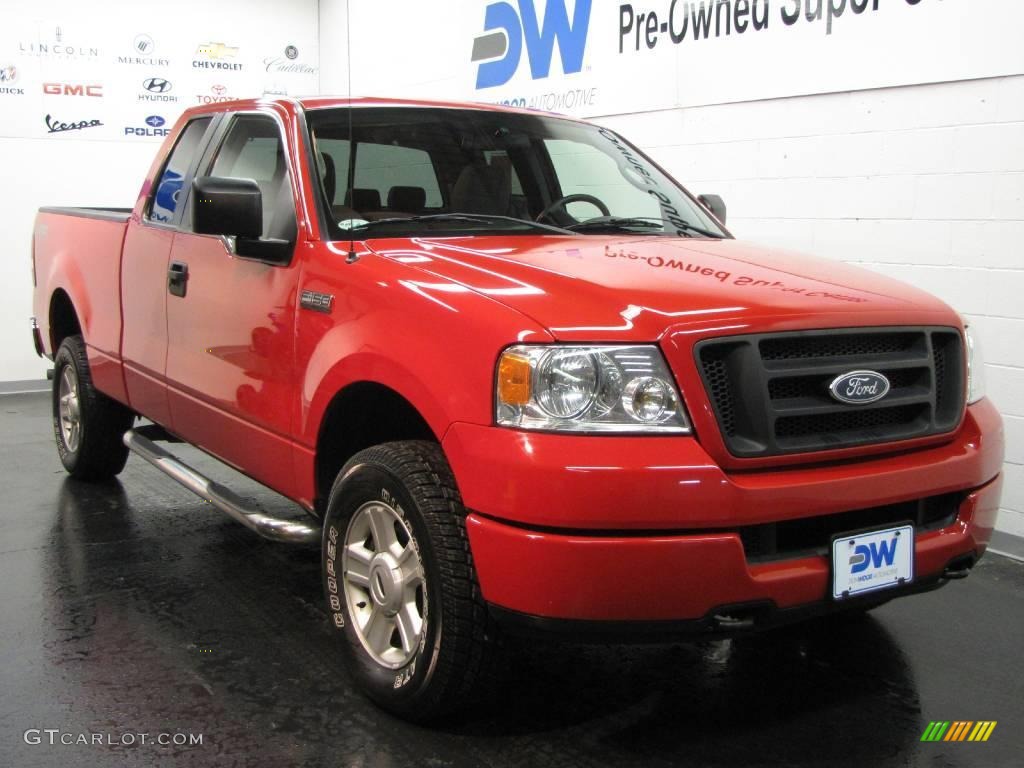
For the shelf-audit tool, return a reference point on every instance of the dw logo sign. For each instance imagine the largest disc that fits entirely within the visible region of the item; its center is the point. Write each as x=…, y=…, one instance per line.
x=878, y=554
x=500, y=48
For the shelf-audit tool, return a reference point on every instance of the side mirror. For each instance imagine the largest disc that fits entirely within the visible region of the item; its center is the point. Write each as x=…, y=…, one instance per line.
x=234, y=208
x=715, y=204
x=230, y=207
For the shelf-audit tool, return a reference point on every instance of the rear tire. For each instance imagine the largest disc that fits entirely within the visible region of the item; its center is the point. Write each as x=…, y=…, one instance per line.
x=87, y=425
x=400, y=582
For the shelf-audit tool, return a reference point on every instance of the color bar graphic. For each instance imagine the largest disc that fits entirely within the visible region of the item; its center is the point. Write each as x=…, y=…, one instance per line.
x=958, y=730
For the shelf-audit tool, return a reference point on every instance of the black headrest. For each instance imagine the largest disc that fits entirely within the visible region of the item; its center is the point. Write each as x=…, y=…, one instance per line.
x=407, y=199
x=363, y=199
x=330, y=176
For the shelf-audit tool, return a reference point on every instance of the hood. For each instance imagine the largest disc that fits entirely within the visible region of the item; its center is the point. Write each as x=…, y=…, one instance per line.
x=636, y=289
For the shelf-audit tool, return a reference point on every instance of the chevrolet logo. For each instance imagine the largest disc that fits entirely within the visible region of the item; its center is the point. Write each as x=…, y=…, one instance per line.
x=216, y=51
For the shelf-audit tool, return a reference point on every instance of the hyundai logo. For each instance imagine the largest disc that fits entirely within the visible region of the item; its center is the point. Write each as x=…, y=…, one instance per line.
x=155, y=121
x=157, y=85
x=859, y=387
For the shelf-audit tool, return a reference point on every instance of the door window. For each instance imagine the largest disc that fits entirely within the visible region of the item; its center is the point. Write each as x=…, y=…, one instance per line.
x=168, y=193
x=253, y=149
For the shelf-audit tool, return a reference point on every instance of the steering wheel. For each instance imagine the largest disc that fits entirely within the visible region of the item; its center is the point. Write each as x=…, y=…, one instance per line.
x=562, y=202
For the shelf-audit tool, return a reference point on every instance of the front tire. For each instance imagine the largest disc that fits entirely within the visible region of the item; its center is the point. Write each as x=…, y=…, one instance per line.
x=400, y=582
x=87, y=425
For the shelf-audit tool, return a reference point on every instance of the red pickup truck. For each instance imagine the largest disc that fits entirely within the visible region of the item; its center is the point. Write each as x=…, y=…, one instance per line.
x=519, y=378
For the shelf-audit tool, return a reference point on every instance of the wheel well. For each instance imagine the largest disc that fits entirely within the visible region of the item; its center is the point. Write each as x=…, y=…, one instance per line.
x=361, y=415
x=63, y=320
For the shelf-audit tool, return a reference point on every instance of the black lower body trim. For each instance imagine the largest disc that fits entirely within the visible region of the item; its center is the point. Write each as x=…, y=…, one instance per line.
x=720, y=622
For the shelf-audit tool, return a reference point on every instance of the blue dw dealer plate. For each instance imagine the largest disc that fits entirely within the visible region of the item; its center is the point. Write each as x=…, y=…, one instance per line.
x=872, y=560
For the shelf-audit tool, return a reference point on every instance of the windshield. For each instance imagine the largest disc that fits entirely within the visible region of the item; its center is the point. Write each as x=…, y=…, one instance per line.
x=409, y=171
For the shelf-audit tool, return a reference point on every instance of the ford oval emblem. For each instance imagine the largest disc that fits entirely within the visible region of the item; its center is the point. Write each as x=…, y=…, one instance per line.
x=859, y=387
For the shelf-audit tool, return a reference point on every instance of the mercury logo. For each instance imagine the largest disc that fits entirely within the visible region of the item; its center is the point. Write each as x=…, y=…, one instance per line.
x=500, y=49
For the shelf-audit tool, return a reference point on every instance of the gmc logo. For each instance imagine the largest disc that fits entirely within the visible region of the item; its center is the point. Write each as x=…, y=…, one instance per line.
x=512, y=27
x=63, y=89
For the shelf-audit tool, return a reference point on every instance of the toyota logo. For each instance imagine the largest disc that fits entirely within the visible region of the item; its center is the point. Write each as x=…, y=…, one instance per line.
x=218, y=89
x=157, y=85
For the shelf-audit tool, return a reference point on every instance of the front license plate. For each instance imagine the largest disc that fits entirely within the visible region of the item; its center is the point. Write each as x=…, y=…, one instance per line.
x=867, y=562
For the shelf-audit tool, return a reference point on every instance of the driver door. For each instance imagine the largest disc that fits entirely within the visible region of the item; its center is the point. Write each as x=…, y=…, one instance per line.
x=230, y=356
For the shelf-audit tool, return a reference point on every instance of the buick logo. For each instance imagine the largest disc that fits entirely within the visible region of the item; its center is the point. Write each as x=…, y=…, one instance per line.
x=859, y=387
x=8, y=74
x=155, y=121
x=157, y=85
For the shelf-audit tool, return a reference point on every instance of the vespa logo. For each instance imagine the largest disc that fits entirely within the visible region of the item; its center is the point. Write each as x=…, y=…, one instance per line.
x=859, y=387
x=157, y=85
x=874, y=555
x=500, y=49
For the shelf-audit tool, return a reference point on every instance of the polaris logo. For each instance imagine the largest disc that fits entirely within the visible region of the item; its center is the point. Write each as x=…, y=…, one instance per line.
x=859, y=387
x=500, y=50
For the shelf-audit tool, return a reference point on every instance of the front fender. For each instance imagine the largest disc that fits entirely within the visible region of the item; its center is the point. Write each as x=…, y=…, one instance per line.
x=433, y=342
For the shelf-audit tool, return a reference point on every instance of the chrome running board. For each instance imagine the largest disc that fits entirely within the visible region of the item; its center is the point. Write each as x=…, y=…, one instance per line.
x=223, y=498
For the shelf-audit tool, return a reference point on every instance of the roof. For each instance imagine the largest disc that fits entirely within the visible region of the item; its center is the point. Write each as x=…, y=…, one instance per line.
x=324, y=102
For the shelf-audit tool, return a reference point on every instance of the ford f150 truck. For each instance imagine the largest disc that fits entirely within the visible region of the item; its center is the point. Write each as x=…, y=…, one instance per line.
x=519, y=378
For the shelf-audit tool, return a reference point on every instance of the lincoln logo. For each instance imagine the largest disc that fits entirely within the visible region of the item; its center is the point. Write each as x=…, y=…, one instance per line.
x=859, y=387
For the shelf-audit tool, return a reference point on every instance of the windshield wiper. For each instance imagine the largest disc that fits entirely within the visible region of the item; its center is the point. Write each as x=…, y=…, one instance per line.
x=628, y=223
x=476, y=218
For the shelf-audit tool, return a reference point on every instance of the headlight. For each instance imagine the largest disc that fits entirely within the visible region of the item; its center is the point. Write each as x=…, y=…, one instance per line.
x=587, y=389
x=975, y=368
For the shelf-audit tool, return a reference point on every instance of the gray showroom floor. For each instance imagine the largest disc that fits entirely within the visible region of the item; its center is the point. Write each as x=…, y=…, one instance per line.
x=134, y=607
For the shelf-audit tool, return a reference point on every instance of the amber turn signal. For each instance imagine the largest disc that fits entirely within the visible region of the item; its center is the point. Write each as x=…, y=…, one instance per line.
x=513, y=379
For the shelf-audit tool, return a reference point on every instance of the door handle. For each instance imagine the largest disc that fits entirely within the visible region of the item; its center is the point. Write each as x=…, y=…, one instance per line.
x=177, y=278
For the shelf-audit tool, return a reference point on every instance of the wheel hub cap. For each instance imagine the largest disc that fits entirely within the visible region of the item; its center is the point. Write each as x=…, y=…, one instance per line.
x=387, y=583
x=69, y=409
x=385, y=586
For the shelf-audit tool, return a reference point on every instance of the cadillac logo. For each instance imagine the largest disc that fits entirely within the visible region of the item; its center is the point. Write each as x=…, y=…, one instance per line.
x=859, y=387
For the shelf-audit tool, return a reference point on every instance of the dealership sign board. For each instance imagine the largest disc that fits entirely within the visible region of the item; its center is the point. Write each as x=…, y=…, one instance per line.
x=600, y=57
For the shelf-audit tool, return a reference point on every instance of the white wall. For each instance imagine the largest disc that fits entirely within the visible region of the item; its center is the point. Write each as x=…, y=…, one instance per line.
x=897, y=142
x=102, y=166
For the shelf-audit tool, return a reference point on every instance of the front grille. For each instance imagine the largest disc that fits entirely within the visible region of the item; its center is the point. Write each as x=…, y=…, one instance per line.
x=813, y=535
x=770, y=393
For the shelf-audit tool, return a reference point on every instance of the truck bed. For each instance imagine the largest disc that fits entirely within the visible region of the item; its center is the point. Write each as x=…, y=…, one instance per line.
x=77, y=255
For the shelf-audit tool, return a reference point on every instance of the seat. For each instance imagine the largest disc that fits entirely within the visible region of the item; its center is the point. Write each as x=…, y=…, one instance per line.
x=483, y=189
x=407, y=199
x=363, y=199
x=330, y=177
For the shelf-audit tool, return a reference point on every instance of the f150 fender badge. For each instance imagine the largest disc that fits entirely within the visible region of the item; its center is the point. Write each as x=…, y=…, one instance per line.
x=859, y=387
x=318, y=302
